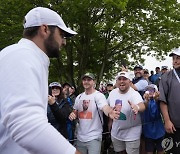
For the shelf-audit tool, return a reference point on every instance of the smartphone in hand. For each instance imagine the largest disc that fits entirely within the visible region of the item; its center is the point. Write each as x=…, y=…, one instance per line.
x=50, y=91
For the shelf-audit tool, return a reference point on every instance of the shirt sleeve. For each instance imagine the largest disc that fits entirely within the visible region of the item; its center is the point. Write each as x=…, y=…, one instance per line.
x=137, y=98
x=100, y=100
x=24, y=106
x=75, y=107
x=141, y=85
x=163, y=88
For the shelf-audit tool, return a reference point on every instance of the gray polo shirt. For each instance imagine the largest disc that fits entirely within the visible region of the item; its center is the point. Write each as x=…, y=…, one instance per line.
x=169, y=88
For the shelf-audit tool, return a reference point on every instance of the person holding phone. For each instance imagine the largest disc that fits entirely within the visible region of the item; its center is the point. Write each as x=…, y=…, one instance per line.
x=58, y=108
x=153, y=127
x=126, y=130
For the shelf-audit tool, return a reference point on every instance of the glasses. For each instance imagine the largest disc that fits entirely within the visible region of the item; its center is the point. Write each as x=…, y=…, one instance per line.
x=55, y=88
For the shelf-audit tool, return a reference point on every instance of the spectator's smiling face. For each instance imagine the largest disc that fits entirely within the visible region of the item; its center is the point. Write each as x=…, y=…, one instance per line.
x=88, y=82
x=123, y=84
x=176, y=61
x=138, y=72
x=55, y=91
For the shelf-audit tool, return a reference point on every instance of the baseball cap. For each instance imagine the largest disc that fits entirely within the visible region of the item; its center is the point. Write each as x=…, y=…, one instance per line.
x=164, y=67
x=153, y=86
x=66, y=83
x=124, y=74
x=146, y=71
x=55, y=84
x=138, y=66
x=109, y=84
x=90, y=75
x=175, y=52
x=41, y=15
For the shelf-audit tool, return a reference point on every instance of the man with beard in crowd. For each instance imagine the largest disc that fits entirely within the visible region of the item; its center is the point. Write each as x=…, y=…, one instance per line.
x=89, y=131
x=139, y=83
x=24, y=128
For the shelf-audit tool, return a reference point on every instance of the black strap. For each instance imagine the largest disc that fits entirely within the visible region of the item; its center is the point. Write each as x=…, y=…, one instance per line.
x=98, y=111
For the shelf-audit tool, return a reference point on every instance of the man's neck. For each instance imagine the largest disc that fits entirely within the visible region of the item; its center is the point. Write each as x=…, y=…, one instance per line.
x=89, y=91
x=123, y=92
x=177, y=69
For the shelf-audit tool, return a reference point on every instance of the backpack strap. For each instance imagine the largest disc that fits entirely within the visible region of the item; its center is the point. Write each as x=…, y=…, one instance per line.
x=98, y=109
x=62, y=104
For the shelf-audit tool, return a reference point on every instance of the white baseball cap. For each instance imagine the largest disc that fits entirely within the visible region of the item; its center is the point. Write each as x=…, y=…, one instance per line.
x=124, y=74
x=40, y=15
x=153, y=86
x=55, y=84
x=175, y=52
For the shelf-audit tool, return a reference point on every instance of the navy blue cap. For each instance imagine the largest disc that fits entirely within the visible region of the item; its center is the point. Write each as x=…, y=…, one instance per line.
x=138, y=66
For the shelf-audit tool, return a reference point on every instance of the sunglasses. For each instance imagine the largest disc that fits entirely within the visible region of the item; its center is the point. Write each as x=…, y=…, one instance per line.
x=55, y=87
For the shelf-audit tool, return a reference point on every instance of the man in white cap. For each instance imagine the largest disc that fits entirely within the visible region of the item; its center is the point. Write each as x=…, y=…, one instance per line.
x=24, y=128
x=126, y=130
x=169, y=88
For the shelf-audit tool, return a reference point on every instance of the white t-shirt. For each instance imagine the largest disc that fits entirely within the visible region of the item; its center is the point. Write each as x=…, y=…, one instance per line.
x=90, y=127
x=128, y=127
x=24, y=128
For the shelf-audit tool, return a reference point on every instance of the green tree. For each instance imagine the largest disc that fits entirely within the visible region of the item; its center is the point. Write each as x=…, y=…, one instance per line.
x=110, y=33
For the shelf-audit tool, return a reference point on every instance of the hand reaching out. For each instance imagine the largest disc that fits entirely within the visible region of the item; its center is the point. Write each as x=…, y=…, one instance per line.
x=114, y=114
x=134, y=107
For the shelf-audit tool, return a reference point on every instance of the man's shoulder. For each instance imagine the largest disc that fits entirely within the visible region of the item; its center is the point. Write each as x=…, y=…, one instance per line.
x=133, y=92
x=113, y=92
x=80, y=95
x=167, y=75
x=98, y=94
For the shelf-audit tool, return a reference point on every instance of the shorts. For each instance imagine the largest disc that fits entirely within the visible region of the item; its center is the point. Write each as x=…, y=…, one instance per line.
x=90, y=147
x=152, y=145
x=131, y=147
x=171, y=142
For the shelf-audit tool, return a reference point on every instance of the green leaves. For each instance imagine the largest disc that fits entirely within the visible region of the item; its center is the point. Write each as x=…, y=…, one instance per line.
x=109, y=33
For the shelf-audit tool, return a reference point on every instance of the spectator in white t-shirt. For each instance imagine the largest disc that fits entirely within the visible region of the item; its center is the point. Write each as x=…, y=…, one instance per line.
x=89, y=131
x=126, y=130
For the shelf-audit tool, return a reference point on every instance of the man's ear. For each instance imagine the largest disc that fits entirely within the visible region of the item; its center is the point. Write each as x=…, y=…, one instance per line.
x=44, y=31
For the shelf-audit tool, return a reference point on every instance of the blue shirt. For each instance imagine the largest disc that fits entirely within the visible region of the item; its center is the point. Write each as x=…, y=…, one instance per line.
x=153, y=126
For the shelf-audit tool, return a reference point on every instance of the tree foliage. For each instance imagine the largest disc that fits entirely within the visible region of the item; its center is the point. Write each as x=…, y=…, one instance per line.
x=111, y=33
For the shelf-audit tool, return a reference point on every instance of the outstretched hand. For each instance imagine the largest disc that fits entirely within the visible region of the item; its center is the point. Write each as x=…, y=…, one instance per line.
x=134, y=107
x=114, y=114
x=124, y=69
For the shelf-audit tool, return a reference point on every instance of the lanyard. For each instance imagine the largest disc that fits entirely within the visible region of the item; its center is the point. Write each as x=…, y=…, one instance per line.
x=175, y=73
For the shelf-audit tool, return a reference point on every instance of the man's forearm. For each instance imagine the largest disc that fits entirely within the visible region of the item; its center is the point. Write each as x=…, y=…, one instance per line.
x=164, y=111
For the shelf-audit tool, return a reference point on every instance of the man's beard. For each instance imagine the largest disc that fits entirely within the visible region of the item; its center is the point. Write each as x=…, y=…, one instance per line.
x=85, y=108
x=51, y=46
